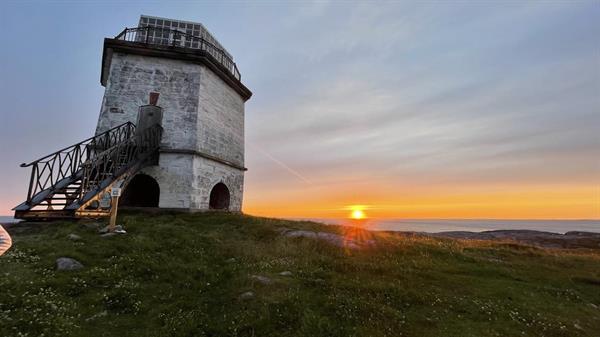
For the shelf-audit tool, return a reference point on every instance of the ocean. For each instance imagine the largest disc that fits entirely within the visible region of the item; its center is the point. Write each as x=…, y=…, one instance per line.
x=7, y=219
x=470, y=225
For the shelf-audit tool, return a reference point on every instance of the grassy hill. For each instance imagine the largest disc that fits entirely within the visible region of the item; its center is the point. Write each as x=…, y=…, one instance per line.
x=219, y=275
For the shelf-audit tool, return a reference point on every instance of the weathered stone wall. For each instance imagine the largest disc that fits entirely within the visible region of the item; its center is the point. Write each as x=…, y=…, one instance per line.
x=208, y=174
x=201, y=114
x=186, y=181
x=174, y=175
x=220, y=119
x=133, y=77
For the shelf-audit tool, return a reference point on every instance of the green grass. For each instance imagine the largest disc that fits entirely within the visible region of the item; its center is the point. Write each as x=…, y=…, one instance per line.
x=183, y=274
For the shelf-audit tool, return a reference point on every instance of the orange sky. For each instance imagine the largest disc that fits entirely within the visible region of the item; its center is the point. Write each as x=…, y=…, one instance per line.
x=488, y=202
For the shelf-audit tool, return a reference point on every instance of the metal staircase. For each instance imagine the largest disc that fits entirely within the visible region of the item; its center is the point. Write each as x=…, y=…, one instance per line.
x=74, y=181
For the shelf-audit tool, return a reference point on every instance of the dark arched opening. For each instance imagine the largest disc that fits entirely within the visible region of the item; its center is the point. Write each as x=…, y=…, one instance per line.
x=142, y=191
x=219, y=197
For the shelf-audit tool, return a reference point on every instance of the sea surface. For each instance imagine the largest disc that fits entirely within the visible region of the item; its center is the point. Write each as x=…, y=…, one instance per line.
x=7, y=219
x=470, y=225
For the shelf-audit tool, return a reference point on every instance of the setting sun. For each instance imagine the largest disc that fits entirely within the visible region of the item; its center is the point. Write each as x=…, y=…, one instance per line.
x=357, y=213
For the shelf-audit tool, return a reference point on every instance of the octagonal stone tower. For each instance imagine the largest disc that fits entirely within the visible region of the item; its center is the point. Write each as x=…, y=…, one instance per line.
x=201, y=157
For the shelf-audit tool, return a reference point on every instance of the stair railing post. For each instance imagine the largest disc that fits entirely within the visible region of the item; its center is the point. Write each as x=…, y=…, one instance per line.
x=75, y=159
x=33, y=168
x=106, y=141
x=84, y=180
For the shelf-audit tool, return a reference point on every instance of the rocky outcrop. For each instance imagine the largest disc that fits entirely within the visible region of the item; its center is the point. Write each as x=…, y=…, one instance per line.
x=569, y=240
x=341, y=241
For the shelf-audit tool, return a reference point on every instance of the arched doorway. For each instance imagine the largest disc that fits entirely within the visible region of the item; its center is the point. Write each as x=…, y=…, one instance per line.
x=219, y=197
x=142, y=191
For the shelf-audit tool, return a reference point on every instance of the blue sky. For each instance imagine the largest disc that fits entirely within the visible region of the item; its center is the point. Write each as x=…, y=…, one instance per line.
x=397, y=105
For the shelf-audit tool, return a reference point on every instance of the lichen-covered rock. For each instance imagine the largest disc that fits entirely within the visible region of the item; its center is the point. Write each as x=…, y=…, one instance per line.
x=91, y=225
x=248, y=295
x=105, y=229
x=262, y=279
x=334, y=239
x=67, y=263
x=300, y=234
x=73, y=237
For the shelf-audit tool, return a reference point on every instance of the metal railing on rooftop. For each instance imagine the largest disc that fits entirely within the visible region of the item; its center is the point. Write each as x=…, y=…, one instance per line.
x=175, y=38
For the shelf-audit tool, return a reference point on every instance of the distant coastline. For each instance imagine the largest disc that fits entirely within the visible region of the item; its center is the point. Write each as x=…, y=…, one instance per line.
x=464, y=225
x=567, y=234
x=447, y=225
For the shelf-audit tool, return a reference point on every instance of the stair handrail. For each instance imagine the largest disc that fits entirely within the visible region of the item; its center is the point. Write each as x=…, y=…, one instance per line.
x=48, y=170
x=126, y=124
x=109, y=162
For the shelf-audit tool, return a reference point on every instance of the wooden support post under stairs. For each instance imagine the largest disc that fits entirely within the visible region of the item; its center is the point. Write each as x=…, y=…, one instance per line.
x=115, y=194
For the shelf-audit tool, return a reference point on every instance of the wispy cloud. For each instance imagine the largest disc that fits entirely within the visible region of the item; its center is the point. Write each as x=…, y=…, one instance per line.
x=442, y=94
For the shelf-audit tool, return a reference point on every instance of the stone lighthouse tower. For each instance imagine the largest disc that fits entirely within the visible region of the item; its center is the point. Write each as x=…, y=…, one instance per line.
x=200, y=107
